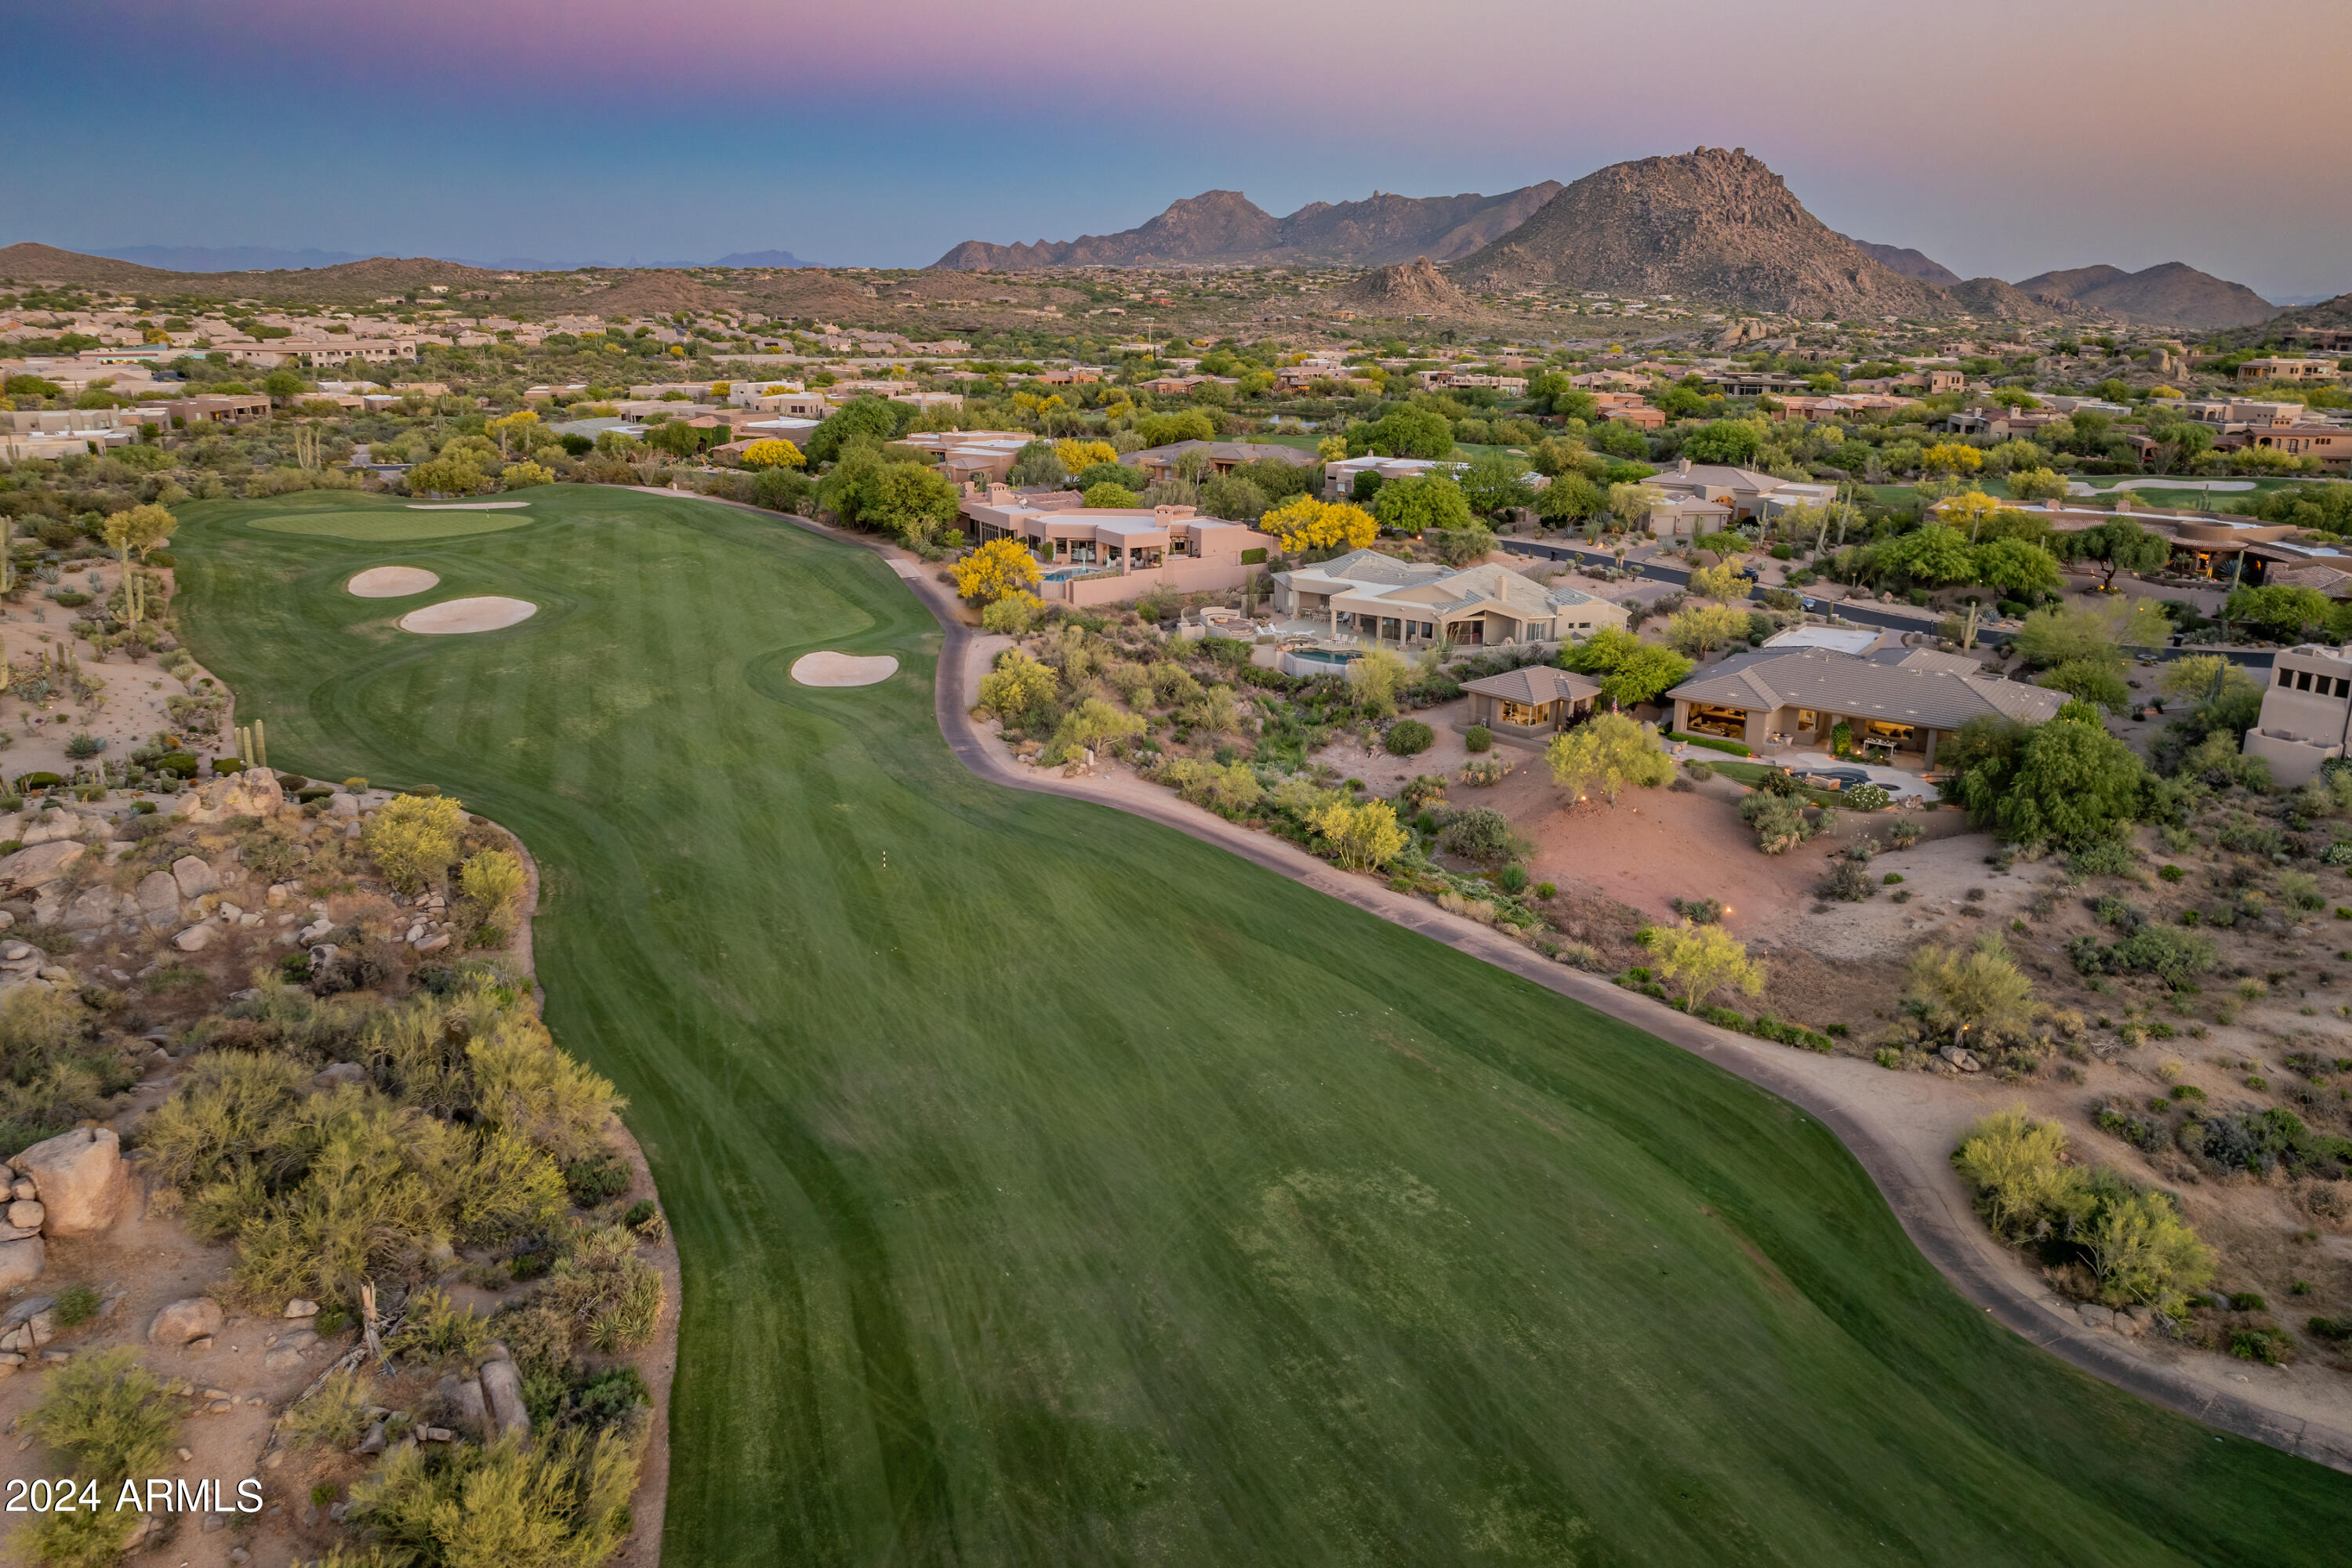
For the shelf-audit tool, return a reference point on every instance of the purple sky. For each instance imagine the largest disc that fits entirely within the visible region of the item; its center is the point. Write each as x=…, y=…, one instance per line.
x=2003, y=138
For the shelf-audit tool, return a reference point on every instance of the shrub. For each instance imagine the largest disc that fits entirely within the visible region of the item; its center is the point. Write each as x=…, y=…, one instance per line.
x=595, y=1181
x=564, y=1499
x=1477, y=739
x=1513, y=880
x=1865, y=797
x=2015, y=1166
x=493, y=880
x=335, y=1416
x=1409, y=738
x=1779, y=823
x=2269, y=1346
x=436, y=1329
x=76, y=1305
x=1848, y=882
x=413, y=839
x=1481, y=834
x=610, y=1297
x=1483, y=772
x=1904, y=835
x=110, y=1414
x=1547, y=890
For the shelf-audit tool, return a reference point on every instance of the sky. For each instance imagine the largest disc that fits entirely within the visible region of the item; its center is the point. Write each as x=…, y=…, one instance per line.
x=2005, y=138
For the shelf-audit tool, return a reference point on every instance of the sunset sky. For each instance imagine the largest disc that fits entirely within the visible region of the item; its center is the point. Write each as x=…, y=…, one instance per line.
x=2003, y=138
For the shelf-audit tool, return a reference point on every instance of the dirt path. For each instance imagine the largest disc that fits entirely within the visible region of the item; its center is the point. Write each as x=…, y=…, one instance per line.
x=1900, y=1128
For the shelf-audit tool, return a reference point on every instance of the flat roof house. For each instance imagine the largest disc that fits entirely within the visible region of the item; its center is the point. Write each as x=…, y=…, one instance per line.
x=1904, y=699
x=1414, y=604
x=2306, y=715
x=1222, y=457
x=1104, y=555
x=2281, y=369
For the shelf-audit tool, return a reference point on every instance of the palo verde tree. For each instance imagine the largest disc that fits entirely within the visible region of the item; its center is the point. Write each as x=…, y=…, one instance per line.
x=140, y=532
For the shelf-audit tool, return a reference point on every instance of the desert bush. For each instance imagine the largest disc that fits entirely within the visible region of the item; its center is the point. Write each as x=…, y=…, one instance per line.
x=413, y=839
x=563, y=1499
x=81, y=1538
x=1904, y=835
x=1779, y=823
x=108, y=1412
x=608, y=1296
x=1482, y=774
x=1481, y=834
x=1409, y=738
x=438, y=1329
x=494, y=880
x=1864, y=797
x=1477, y=739
x=335, y=1417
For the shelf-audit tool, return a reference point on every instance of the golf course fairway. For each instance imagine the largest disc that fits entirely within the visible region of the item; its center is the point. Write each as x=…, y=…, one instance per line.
x=1053, y=1188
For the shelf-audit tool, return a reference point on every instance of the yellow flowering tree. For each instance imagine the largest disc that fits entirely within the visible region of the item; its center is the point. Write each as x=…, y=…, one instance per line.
x=1366, y=836
x=1079, y=455
x=413, y=839
x=998, y=569
x=1699, y=961
x=140, y=532
x=1303, y=522
x=1951, y=457
x=773, y=454
x=522, y=422
x=1018, y=684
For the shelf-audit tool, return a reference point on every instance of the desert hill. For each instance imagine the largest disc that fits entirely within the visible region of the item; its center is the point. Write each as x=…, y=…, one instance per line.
x=2170, y=294
x=1903, y=259
x=1227, y=227
x=365, y=280
x=1712, y=225
x=1415, y=289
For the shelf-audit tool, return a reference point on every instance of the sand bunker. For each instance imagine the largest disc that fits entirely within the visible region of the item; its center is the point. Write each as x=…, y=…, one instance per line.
x=392, y=582
x=843, y=669
x=483, y=615
x=467, y=505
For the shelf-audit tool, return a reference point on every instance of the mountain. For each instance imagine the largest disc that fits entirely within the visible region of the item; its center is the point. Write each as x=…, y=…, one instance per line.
x=762, y=258
x=2170, y=294
x=227, y=258
x=1908, y=262
x=1712, y=225
x=1416, y=289
x=2007, y=302
x=371, y=278
x=1227, y=227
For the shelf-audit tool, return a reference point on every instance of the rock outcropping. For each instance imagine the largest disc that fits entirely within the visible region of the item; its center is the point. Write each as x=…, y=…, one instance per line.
x=1416, y=289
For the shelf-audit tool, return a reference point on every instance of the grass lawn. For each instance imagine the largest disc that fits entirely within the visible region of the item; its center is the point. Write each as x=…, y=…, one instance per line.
x=1053, y=1188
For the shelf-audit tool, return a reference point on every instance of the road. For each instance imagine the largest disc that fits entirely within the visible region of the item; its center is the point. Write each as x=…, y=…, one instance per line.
x=1865, y=615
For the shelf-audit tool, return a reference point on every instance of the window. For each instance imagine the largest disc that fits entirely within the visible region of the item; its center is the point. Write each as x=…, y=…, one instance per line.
x=2286, y=677
x=1808, y=720
x=2302, y=680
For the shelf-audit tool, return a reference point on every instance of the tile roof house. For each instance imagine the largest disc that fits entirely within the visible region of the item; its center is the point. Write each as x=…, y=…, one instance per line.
x=1531, y=702
x=1746, y=492
x=1904, y=699
x=1410, y=603
x=1222, y=457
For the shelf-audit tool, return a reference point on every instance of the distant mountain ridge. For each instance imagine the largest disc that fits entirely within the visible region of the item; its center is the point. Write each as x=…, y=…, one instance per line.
x=2170, y=294
x=1903, y=259
x=1226, y=227
x=227, y=259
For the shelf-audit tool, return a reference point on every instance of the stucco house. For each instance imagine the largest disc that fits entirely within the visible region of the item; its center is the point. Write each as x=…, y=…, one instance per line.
x=1103, y=555
x=1746, y=492
x=1904, y=699
x=2306, y=716
x=1414, y=604
x=1533, y=703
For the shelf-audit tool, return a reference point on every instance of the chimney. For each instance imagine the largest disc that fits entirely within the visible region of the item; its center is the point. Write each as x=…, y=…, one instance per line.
x=1681, y=466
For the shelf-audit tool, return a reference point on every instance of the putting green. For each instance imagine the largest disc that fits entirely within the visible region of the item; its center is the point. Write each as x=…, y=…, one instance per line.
x=1053, y=1188
x=371, y=526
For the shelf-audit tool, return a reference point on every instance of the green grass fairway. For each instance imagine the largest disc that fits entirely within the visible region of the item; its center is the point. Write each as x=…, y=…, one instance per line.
x=1055, y=1189
x=380, y=524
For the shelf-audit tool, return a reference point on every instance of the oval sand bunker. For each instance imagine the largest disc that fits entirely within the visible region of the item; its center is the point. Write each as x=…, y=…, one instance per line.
x=843, y=669
x=483, y=615
x=393, y=581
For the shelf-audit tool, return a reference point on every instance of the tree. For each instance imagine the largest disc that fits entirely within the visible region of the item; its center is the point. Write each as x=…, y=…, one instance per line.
x=1493, y=482
x=2092, y=681
x=1720, y=582
x=2097, y=632
x=1108, y=495
x=1018, y=686
x=1569, y=497
x=1701, y=959
x=1185, y=425
x=413, y=839
x=1608, y=752
x=1632, y=671
x=1034, y=465
x=1732, y=441
x=1079, y=455
x=494, y=880
x=1303, y=522
x=1092, y=724
x=2202, y=678
x=2120, y=544
x=2017, y=568
x=448, y=476
x=1930, y=553
x=1702, y=628
x=1414, y=505
x=1377, y=679
x=2017, y=1169
x=1365, y=836
x=1235, y=499
x=874, y=418
x=2037, y=484
x=2285, y=613
x=1951, y=457
x=282, y=384
x=1980, y=989
x=908, y=500
x=1404, y=432
x=2068, y=783
x=523, y=421
x=2143, y=1251
x=1630, y=503
x=773, y=454
x=522, y=475
x=140, y=532
x=998, y=568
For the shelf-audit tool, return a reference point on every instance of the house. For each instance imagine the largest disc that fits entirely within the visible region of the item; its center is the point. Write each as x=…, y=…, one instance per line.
x=1755, y=383
x=1532, y=702
x=218, y=408
x=2281, y=369
x=2325, y=340
x=1416, y=603
x=1640, y=415
x=1105, y=555
x=1841, y=405
x=1340, y=473
x=1222, y=457
x=1748, y=493
x=1687, y=517
x=1904, y=699
x=972, y=457
x=1175, y=386
x=2331, y=444
x=2306, y=716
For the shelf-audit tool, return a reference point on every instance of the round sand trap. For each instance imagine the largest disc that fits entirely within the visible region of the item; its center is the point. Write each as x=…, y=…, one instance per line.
x=392, y=582
x=483, y=615
x=843, y=669
x=468, y=506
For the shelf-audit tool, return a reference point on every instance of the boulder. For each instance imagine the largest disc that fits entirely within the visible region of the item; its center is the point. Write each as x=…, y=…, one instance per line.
x=196, y=938
x=2096, y=1316
x=49, y=827
x=80, y=1178
x=344, y=805
x=433, y=944
x=90, y=908
x=502, y=1387
x=159, y=899
x=41, y=864
x=195, y=878
x=253, y=793
x=299, y=1308
x=21, y=1262
x=195, y=1317
x=26, y=1214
